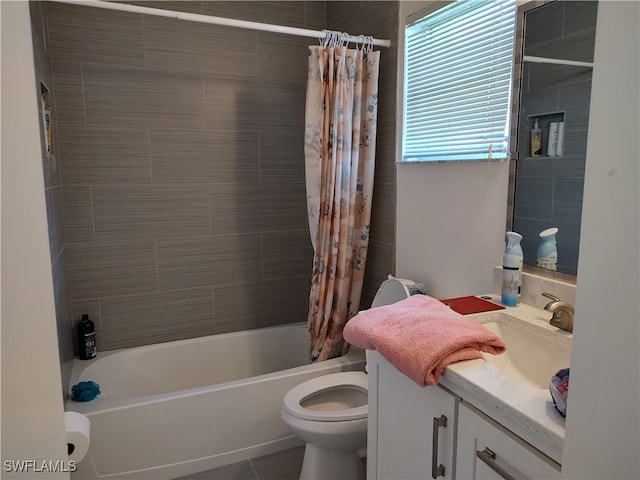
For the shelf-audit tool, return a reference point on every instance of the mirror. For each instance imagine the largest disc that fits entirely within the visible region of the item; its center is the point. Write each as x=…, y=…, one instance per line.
x=550, y=116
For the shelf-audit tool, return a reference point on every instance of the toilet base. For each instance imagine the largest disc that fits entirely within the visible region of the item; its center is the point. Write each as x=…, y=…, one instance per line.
x=324, y=464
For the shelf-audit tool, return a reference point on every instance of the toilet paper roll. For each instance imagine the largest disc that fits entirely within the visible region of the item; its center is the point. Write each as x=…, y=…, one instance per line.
x=78, y=432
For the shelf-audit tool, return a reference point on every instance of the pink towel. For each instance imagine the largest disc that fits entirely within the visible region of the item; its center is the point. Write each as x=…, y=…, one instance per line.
x=420, y=336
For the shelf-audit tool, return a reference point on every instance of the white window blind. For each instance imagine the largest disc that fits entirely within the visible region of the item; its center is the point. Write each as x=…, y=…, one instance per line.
x=458, y=82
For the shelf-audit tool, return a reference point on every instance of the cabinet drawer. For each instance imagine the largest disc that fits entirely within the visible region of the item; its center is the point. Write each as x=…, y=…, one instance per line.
x=487, y=450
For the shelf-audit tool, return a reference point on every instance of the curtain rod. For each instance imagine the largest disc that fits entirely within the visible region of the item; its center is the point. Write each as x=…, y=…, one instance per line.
x=229, y=22
x=557, y=61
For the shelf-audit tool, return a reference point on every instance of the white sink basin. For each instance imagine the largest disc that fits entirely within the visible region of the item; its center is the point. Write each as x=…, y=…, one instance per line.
x=534, y=352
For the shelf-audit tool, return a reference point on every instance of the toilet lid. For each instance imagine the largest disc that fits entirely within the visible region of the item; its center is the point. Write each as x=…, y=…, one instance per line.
x=334, y=381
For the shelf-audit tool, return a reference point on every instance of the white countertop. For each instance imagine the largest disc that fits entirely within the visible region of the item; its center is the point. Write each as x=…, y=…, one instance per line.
x=520, y=407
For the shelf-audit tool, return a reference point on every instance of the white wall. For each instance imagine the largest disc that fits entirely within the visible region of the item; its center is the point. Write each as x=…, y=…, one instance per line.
x=603, y=422
x=32, y=410
x=450, y=225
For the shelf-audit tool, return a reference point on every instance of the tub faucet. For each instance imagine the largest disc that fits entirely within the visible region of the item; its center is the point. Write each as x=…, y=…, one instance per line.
x=562, y=313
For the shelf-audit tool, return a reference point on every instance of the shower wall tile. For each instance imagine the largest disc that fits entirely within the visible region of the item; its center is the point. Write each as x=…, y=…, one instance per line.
x=67, y=94
x=386, y=150
x=260, y=304
x=290, y=13
x=286, y=254
x=136, y=96
x=380, y=263
x=94, y=35
x=534, y=198
x=575, y=100
x=283, y=57
x=143, y=319
x=105, y=154
x=175, y=44
x=189, y=6
x=567, y=205
x=63, y=318
x=282, y=155
x=253, y=104
x=259, y=207
x=580, y=16
x=97, y=269
x=383, y=213
x=150, y=212
x=52, y=194
x=209, y=260
x=316, y=15
x=78, y=214
x=204, y=156
x=55, y=221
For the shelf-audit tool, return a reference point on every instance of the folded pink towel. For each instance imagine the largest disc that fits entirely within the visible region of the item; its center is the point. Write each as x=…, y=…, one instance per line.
x=420, y=336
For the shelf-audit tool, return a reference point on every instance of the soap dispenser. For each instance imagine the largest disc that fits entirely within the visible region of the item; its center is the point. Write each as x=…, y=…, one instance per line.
x=512, y=270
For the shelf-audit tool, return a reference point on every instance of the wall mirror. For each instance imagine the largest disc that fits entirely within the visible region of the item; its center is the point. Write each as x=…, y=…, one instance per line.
x=550, y=116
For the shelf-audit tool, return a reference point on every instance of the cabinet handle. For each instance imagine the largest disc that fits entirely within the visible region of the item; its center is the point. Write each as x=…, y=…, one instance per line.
x=437, y=470
x=488, y=456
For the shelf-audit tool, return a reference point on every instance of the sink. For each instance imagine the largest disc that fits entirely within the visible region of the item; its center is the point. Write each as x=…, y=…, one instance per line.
x=535, y=352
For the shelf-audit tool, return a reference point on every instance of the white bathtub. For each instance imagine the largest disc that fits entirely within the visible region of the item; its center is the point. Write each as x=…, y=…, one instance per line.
x=181, y=407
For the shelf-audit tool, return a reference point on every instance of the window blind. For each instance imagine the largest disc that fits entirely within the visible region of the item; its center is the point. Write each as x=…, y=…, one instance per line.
x=458, y=63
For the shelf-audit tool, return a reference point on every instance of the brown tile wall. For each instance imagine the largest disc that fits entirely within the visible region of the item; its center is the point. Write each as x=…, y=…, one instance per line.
x=181, y=167
x=53, y=195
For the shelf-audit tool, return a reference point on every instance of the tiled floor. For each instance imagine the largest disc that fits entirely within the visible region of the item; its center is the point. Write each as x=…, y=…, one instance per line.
x=285, y=465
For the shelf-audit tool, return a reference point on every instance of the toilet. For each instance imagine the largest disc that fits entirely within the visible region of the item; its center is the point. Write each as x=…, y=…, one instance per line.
x=330, y=412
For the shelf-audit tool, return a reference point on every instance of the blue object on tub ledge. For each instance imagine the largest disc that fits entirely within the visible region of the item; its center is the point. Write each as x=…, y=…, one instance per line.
x=559, y=388
x=85, y=391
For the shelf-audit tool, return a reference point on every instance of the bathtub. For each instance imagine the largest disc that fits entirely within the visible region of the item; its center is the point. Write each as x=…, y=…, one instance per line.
x=181, y=407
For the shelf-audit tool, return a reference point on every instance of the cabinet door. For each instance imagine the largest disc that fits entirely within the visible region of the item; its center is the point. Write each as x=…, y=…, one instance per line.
x=487, y=451
x=406, y=417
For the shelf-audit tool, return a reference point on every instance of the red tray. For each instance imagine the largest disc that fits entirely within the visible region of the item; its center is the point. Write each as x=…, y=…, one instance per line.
x=471, y=304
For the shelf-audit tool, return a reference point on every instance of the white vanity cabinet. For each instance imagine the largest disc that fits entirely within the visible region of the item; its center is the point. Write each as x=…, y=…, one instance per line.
x=409, y=438
x=404, y=421
x=486, y=450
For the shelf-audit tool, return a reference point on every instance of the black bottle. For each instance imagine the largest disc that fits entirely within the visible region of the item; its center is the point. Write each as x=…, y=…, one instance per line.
x=86, y=338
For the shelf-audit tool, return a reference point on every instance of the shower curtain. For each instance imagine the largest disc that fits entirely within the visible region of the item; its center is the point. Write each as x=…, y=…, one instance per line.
x=340, y=141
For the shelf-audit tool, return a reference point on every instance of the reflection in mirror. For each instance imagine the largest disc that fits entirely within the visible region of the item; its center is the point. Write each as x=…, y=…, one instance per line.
x=552, y=89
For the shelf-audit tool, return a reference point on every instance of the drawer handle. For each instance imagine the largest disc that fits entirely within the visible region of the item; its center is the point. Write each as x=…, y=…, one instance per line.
x=437, y=470
x=488, y=456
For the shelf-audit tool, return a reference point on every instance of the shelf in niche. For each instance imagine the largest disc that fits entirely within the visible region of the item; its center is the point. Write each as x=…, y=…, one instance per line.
x=544, y=121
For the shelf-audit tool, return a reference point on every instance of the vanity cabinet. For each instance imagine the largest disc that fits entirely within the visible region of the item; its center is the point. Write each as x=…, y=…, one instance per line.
x=423, y=433
x=411, y=430
x=486, y=450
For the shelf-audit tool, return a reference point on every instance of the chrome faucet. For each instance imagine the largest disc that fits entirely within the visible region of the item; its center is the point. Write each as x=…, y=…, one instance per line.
x=562, y=313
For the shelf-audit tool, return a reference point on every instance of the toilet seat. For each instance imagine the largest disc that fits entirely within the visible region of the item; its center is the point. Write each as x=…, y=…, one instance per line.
x=335, y=381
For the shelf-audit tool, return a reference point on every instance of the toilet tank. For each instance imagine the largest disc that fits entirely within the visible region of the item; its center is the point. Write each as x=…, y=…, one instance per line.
x=391, y=291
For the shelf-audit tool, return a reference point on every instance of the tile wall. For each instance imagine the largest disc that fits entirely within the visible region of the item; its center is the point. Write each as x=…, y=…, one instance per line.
x=181, y=167
x=53, y=192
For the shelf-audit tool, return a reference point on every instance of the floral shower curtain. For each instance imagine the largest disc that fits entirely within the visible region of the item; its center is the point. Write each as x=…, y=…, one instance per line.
x=340, y=141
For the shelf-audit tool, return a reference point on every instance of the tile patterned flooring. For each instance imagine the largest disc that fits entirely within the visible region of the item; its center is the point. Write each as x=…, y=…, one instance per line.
x=284, y=465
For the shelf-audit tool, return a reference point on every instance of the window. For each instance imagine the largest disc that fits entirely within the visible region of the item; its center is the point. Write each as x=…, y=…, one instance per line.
x=458, y=81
